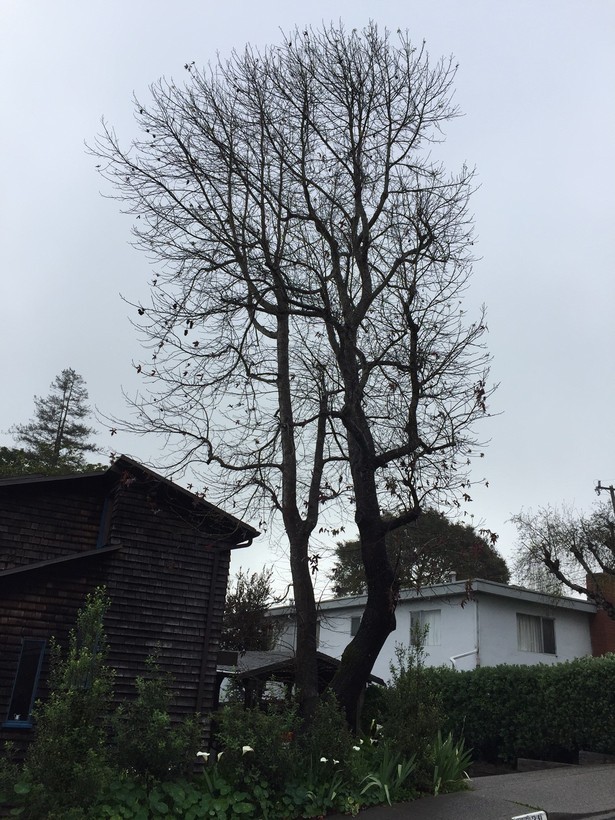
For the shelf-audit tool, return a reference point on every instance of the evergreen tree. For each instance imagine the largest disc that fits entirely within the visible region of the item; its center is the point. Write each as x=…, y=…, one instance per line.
x=245, y=626
x=57, y=438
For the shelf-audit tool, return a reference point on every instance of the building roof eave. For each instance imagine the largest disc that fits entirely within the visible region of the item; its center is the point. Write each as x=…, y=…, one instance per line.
x=450, y=589
x=63, y=559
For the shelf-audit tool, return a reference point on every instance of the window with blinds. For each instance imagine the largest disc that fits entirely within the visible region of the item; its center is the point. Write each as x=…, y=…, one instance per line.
x=425, y=627
x=535, y=634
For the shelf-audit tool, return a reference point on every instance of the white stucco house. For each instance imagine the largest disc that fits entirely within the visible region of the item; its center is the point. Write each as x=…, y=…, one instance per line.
x=468, y=624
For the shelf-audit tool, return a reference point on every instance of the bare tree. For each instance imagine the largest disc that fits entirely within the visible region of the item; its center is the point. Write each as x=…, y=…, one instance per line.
x=307, y=336
x=566, y=550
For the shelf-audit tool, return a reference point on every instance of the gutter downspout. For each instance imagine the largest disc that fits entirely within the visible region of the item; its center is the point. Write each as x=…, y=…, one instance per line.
x=205, y=648
x=462, y=655
x=477, y=644
x=475, y=651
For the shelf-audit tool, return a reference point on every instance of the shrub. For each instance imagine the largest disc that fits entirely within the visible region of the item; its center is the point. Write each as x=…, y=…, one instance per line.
x=411, y=707
x=269, y=737
x=67, y=764
x=9, y=773
x=327, y=735
x=543, y=711
x=146, y=743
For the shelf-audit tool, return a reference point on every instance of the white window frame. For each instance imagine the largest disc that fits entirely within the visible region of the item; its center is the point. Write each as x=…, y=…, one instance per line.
x=536, y=634
x=430, y=618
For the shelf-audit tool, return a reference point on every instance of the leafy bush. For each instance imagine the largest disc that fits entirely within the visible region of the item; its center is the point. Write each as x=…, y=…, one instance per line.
x=543, y=711
x=146, y=743
x=81, y=747
x=68, y=763
x=327, y=735
x=292, y=773
x=9, y=773
x=272, y=755
x=411, y=710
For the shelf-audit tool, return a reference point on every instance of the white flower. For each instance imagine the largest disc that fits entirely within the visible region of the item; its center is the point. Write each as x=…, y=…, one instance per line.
x=245, y=749
x=204, y=755
x=219, y=755
x=356, y=748
x=335, y=762
x=323, y=759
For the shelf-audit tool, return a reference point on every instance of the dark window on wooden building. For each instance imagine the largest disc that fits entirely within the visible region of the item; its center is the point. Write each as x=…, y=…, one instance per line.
x=26, y=683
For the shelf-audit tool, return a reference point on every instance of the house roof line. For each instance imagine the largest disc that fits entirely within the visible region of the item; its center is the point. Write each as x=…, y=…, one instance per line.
x=63, y=559
x=247, y=532
x=262, y=663
x=451, y=589
x=39, y=478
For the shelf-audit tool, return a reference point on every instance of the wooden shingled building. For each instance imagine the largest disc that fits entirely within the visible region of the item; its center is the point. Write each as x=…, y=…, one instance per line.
x=161, y=552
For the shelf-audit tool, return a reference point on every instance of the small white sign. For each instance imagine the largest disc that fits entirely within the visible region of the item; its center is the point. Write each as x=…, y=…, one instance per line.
x=533, y=815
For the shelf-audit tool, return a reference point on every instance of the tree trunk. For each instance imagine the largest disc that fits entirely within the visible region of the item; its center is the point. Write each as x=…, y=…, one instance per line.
x=377, y=623
x=378, y=619
x=306, y=666
x=298, y=532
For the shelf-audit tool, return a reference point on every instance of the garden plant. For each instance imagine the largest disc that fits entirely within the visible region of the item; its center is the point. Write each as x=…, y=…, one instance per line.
x=90, y=759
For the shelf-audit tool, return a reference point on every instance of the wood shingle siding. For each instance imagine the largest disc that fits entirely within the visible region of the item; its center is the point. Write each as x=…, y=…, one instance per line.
x=164, y=561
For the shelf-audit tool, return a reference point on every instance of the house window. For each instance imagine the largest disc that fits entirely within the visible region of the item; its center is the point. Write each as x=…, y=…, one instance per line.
x=105, y=524
x=425, y=627
x=26, y=683
x=355, y=622
x=535, y=634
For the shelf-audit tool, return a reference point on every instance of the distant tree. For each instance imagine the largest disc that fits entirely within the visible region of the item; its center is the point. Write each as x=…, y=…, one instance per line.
x=57, y=439
x=565, y=550
x=245, y=626
x=15, y=461
x=424, y=552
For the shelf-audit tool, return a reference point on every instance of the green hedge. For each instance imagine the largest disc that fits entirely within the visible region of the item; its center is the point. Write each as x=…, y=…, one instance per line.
x=546, y=712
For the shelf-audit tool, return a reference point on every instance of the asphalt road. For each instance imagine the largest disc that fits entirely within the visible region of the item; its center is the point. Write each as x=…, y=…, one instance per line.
x=570, y=793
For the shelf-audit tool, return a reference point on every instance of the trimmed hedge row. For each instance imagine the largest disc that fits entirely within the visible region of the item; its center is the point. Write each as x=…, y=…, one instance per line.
x=545, y=712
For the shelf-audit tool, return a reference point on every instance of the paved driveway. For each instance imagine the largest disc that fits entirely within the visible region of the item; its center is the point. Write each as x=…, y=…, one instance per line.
x=570, y=793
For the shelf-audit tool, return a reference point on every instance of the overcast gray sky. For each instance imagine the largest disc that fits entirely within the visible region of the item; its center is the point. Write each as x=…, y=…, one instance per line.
x=536, y=81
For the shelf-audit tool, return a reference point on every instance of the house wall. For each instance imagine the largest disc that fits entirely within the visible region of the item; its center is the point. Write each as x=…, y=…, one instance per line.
x=39, y=523
x=457, y=633
x=498, y=632
x=492, y=618
x=167, y=583
x=168, y=587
